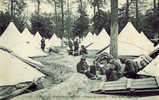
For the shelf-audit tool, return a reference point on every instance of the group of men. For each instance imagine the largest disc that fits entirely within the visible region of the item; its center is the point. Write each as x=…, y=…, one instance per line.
x=112, y=68
x=74, y=48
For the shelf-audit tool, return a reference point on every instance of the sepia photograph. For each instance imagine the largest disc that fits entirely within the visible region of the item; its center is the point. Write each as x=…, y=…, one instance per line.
x=79, y=49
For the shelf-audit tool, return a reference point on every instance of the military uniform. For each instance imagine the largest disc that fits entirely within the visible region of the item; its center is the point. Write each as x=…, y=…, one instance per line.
x=113, y=70
x=83, y=50
x=43, y=44
x=83, y=68
x=76, y=45
x=70, y=44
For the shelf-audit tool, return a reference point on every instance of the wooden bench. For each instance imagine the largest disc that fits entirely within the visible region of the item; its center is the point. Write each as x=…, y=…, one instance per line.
x=129, y=86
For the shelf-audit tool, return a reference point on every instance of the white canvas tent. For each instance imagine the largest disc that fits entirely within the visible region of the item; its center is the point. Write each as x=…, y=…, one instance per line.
x=152, y=68
x=14, y=71
x=88, y=39
x=128, y=49
x=37, y=39
x=149, y=44
x=54, y=41
x=27, y=36
x=28, y=50
x=131, y=43
x=130, y=35
x=11, y=37
x=102, y=40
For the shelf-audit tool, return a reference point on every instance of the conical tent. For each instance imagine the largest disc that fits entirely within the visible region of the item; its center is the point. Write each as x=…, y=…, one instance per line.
x=95, y=36
x=11, y=37
x=128, y=49
x=37, y=40
x=14, y=71
x=27, y=36
x=130, y=35
x=54, y=41
x=147, y=42
x=28, y=50
x=89, y=39
x=102, y=40
x=152, y=68
x=31, y=49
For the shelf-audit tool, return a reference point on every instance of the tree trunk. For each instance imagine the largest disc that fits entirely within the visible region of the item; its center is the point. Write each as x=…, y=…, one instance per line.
x=68, y=7
x=81, y=4
x=137, y=13
x=94, y=10
x=62, y=14
x=158, y=4
x=12, y=8
x=154, y=4
x=127, y=10
x=114, y=29
x=38, y=9
x=98, y=9
x=55, y=8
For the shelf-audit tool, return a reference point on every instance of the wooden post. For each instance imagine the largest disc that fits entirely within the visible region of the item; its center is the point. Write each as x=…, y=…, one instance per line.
x=114, y=29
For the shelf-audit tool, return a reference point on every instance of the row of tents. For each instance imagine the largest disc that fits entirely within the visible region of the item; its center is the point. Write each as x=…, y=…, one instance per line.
x=13, y=44
x=130, y=41
x=25, y=44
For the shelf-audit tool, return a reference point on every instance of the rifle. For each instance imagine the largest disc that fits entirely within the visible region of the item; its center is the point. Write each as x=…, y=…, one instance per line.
x=88, y=45
x=102, y=49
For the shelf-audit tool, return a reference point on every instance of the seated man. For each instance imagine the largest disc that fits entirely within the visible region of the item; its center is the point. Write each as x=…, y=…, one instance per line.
x=134, y=66
x=113, y=70
x=83, y=68
x=83, y=50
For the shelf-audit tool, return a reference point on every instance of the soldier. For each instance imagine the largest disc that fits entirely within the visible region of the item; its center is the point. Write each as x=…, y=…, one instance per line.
x=70, y=44
x=83, y=68
x=43, y=43
x=83, y=50
x=113, y=70
x=76, y=45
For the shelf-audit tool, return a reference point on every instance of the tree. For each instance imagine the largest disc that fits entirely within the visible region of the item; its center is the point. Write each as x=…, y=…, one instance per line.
x=62, y=16
x=114, y=29
x=101, y=21
x=137, y=13
x=97, y=4
x=81, y=25
x=42, y=23
x=14, y=13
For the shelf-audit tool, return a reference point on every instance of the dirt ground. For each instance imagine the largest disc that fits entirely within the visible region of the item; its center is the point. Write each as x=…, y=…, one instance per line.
x=64, y=83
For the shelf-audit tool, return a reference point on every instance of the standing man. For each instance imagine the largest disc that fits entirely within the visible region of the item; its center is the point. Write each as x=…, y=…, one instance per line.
x=76, y=45
x=43, y=43
x=70, y=44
